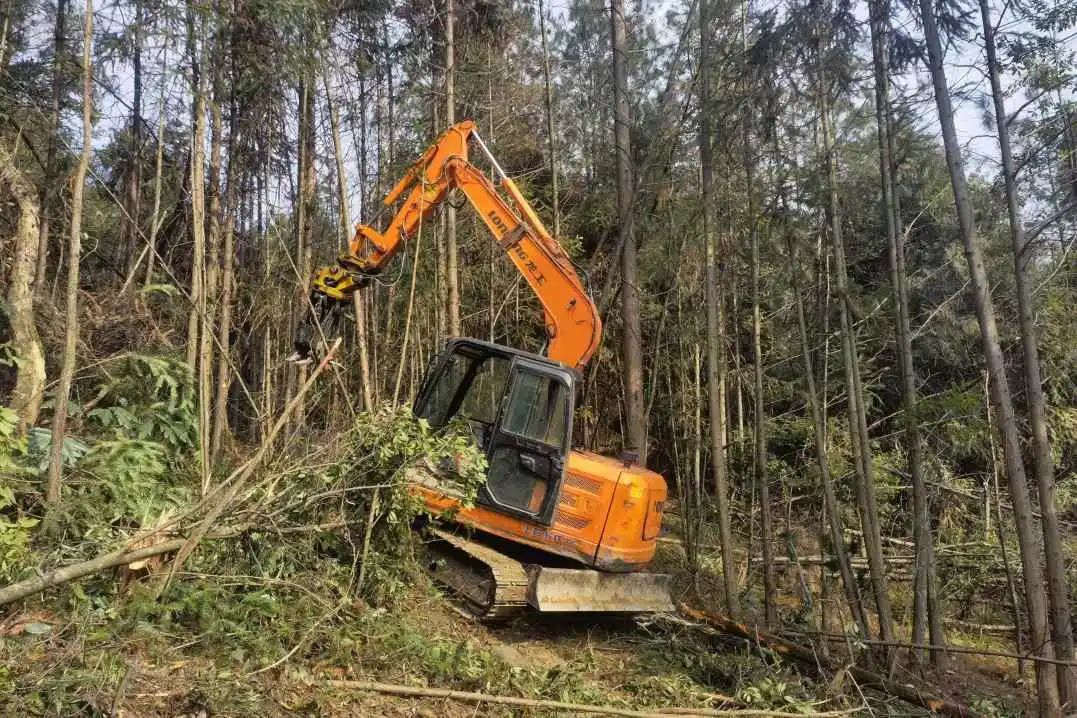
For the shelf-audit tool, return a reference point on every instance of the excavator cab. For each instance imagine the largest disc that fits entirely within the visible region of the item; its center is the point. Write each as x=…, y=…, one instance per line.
x=519, y=406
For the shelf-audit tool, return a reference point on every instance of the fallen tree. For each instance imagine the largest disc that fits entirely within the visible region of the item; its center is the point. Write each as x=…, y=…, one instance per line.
x=122, y=557
x=869, y=679
x=470, y=697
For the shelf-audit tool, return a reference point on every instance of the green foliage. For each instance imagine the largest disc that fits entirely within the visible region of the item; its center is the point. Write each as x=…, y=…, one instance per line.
x=15, y=535
x=8, y=356
x=165, y=290
x=15, y=528
x=382, y=448
x=368, y=482
x=958, y=421
x=775, y=693
x=1062, y=421
x=39, y=444
x=251, y=621
x=683, y=664
x=120, y=472
x=995, y=708
x=130, y=481
x=407, y=644
x=151, y=398
x=12, y=447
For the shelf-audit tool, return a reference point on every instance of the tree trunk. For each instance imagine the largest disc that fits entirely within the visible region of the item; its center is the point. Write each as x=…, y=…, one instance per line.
x=410, y=310
x=304, y=225
x=635, y=439
x=869, y=513
x=759, y=428
x=451, y=251
x=206, y=379
x=133, y=190
x=715, y=344
x=1057, y=587
x=343, y=213
x=1035, y=590
x=5, y=26
x=30, y=371
x=346, y=230
x=71, y=329
x=441, y=258
x=551, y=122
x=196, y=319
x=759, y=454
x=158, y=173
x=925, y=603
x=51, y=182
x=830, y=501
x=1000, y=532
x=237, y=157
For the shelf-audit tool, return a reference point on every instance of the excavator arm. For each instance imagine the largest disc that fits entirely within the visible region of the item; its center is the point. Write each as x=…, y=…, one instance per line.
x=573, y=326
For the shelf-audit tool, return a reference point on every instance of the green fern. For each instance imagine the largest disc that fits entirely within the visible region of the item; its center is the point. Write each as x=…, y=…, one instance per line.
x=130, y=481
x=150, y=398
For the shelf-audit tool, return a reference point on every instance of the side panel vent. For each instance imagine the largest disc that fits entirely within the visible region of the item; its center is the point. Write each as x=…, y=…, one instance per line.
x=583, y=482
x=576, y=522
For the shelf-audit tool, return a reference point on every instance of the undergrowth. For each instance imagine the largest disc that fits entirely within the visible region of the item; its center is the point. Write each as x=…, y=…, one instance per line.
x=320, y=582
x=207, y=645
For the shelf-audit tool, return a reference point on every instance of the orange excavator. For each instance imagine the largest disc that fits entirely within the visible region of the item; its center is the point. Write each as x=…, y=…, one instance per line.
x=553, y=528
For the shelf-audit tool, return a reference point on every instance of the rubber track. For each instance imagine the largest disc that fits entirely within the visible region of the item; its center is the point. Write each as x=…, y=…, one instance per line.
x=485, y=564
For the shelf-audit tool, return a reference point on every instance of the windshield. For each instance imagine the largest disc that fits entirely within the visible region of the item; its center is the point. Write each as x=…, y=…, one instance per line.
x=468, y=387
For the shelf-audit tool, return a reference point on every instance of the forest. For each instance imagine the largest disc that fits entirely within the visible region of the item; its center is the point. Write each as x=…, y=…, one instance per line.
x=829, y=246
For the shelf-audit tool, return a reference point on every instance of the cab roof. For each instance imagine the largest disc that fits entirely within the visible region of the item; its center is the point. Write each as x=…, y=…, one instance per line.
x=486, y=348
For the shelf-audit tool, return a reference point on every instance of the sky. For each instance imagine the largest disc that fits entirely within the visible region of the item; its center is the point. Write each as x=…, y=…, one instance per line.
x=965, y=71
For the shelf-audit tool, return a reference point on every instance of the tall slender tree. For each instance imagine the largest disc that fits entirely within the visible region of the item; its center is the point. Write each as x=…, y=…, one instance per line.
x=50, y=184
x=854, y=394
x=199, y=301
x=29, y=386
x=1055, y=558
x=71, y=312
x=1031, y=554
x=925, y=599
x=133, y=177
x=551, y=121
x=759, y=420
x=452, y=259
x=835, y=527
x=631, y=342
x=715, y=342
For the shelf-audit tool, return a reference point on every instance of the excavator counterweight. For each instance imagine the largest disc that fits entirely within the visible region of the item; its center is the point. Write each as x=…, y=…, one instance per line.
x=553, y=528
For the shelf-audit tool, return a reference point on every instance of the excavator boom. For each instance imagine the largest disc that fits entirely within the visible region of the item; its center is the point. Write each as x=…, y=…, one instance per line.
x=573, y=326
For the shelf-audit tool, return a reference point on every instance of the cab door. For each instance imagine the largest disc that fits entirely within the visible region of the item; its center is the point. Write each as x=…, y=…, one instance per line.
x=529, y=443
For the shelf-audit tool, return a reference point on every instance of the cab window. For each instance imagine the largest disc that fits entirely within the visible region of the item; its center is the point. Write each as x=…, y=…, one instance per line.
x=484, y=393
x=537, y=409
x=439, y=401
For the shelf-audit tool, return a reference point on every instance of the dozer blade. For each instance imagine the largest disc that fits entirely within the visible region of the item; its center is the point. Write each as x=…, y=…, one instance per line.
x=570, y=589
